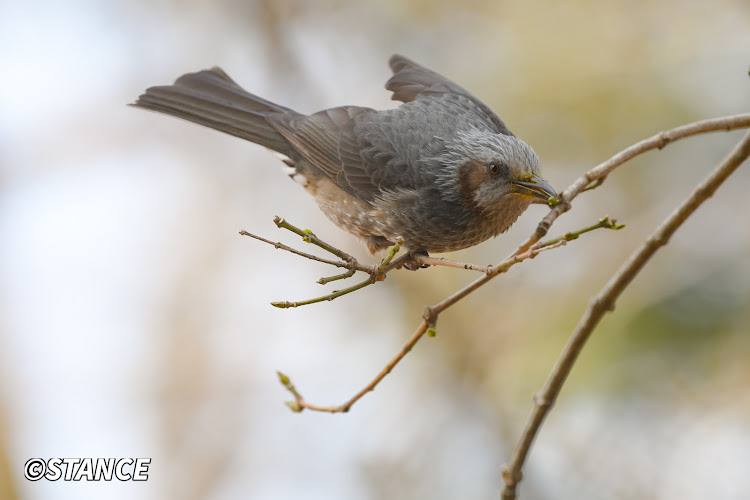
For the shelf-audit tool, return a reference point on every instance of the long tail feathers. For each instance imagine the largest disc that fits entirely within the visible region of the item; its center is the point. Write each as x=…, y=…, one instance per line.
x=212, y=99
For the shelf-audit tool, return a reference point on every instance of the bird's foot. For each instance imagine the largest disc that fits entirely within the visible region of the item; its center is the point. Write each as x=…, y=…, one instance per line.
x=413, y=262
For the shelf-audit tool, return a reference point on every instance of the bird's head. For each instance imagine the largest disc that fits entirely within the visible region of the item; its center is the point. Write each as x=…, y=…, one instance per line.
x=492, y=173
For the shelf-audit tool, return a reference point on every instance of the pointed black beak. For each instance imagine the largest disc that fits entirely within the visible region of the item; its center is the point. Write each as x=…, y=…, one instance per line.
x=537, y=188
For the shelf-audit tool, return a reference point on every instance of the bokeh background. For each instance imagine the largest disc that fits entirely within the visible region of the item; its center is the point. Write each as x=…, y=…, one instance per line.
x=135, y=321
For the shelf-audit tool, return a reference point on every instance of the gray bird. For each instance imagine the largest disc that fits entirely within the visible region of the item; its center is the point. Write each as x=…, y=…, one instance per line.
x=441, y=170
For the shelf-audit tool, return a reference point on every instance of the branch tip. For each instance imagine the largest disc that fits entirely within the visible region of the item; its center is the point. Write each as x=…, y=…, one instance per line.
x=324, y=280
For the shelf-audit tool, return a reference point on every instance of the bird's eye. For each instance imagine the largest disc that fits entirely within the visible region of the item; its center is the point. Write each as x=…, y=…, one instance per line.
x=494, y=168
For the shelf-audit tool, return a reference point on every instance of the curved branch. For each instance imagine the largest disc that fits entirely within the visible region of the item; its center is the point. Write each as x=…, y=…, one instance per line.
x=605, y=301
x=300, y=404
x=530, y=248
x=427, y=326
x=598, y=174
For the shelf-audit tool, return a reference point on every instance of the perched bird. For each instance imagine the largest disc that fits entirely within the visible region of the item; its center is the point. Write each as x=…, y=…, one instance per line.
x=442, y=170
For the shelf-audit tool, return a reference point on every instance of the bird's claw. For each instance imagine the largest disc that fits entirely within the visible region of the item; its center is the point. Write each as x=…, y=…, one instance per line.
x=413, y=263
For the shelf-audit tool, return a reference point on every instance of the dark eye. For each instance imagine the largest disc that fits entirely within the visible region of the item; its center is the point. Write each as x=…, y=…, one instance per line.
x=495, y=168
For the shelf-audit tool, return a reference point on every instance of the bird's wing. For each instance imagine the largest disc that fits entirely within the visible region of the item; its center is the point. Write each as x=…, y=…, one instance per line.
x=411, y=81
x=328, y=142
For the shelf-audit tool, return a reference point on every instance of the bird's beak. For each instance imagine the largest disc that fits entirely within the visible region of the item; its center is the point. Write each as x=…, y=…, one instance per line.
x=537, y=188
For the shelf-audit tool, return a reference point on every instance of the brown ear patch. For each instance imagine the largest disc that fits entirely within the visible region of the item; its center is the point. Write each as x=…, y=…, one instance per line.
x=471, y=175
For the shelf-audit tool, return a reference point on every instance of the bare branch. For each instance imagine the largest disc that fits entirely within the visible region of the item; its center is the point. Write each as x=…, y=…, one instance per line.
x=527, y=250
x=385, y=263
x=306, y=255
x=285, y=304
x=376, y=274
x=327, y=279
x=605, y=301
x=300, y=404
x=309, y=237
x=604, y=223
x=494, y=271
x=426, y=260
x=427, y=326
x=598, y=174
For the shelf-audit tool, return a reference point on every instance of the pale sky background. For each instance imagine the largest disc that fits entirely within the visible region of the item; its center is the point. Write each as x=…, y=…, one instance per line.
x=135, y=321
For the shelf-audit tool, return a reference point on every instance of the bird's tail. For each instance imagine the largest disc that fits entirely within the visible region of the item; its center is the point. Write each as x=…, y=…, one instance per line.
x=213, y=99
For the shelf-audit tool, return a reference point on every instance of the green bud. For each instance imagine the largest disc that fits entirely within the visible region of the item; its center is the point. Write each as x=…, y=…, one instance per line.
x=294, y=406
x=283, y=378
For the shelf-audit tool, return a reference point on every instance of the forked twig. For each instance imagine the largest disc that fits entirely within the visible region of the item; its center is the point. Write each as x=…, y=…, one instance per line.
x=531, y=246
x=427, y=326
x=377, y=274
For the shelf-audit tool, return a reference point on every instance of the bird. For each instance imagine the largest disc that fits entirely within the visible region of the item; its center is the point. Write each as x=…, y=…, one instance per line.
x=441, y=171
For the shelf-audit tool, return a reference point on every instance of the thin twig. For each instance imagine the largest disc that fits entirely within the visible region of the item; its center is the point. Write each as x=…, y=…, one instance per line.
x=327, y=279
x=426, y=327
x=309, y=237
x=385, y=263
x=598, y=174
x=398, y=262
x=531, y=247
x=376, y=274
x=281, y=246
x=604, y=223
x=496, y=270
x=426, y=260
x=300, y=404
x=605, y=301
x=347, y=261
x=285, y=304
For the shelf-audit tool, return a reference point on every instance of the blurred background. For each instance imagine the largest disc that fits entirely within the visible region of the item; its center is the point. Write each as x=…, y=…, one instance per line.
x=135, y=320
